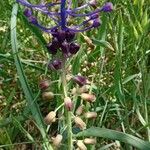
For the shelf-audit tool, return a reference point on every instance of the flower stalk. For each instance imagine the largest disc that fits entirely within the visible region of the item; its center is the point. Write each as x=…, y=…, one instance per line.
x=68, y=113
x=62, y=46
x=63, y=14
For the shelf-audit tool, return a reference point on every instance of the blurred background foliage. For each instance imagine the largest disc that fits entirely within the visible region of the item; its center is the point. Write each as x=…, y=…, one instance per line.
x=116, y=61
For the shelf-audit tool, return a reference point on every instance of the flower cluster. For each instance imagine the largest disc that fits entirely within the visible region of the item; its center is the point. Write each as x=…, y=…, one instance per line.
x=62, y=39
x=63, y=35
x=66, y=11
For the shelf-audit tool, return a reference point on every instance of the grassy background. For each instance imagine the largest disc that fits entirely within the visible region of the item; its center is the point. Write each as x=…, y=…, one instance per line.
x=118, y=66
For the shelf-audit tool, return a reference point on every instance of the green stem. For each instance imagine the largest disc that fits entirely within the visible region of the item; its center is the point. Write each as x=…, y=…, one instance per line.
x=69, y=130
x=68, y=113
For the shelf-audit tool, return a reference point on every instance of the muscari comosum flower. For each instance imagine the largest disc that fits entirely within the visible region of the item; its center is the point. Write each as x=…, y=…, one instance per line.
x=64, y=13
x=63, y=32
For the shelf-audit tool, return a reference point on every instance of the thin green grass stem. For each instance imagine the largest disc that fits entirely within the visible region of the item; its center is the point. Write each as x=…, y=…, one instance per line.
x=68, y=113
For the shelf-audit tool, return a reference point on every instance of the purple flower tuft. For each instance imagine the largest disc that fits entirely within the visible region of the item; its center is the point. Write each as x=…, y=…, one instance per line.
x=61, y=16
x=108, y=7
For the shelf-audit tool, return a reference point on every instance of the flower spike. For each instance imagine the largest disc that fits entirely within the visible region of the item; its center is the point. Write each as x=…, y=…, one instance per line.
x=65, y=12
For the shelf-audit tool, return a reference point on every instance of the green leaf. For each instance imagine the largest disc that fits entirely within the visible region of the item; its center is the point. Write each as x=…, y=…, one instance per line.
x=129, y=78
x=103, y=43
x=23, y=80
x=115, y=135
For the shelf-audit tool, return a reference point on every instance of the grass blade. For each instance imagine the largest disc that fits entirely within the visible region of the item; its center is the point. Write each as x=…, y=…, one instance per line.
x=115, y=135
x=23, y=80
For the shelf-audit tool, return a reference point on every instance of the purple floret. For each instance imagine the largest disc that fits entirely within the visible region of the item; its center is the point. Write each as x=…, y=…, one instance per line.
x=60, y=17
x=80, y=80
x=108, y=7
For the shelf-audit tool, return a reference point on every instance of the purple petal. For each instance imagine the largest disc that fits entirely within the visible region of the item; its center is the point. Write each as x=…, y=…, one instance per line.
x=26, y=3
x=27, y=12
x=96, y=23
x=108, y=7
x=52, y=49
x=65, y=47
x=74, y=48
